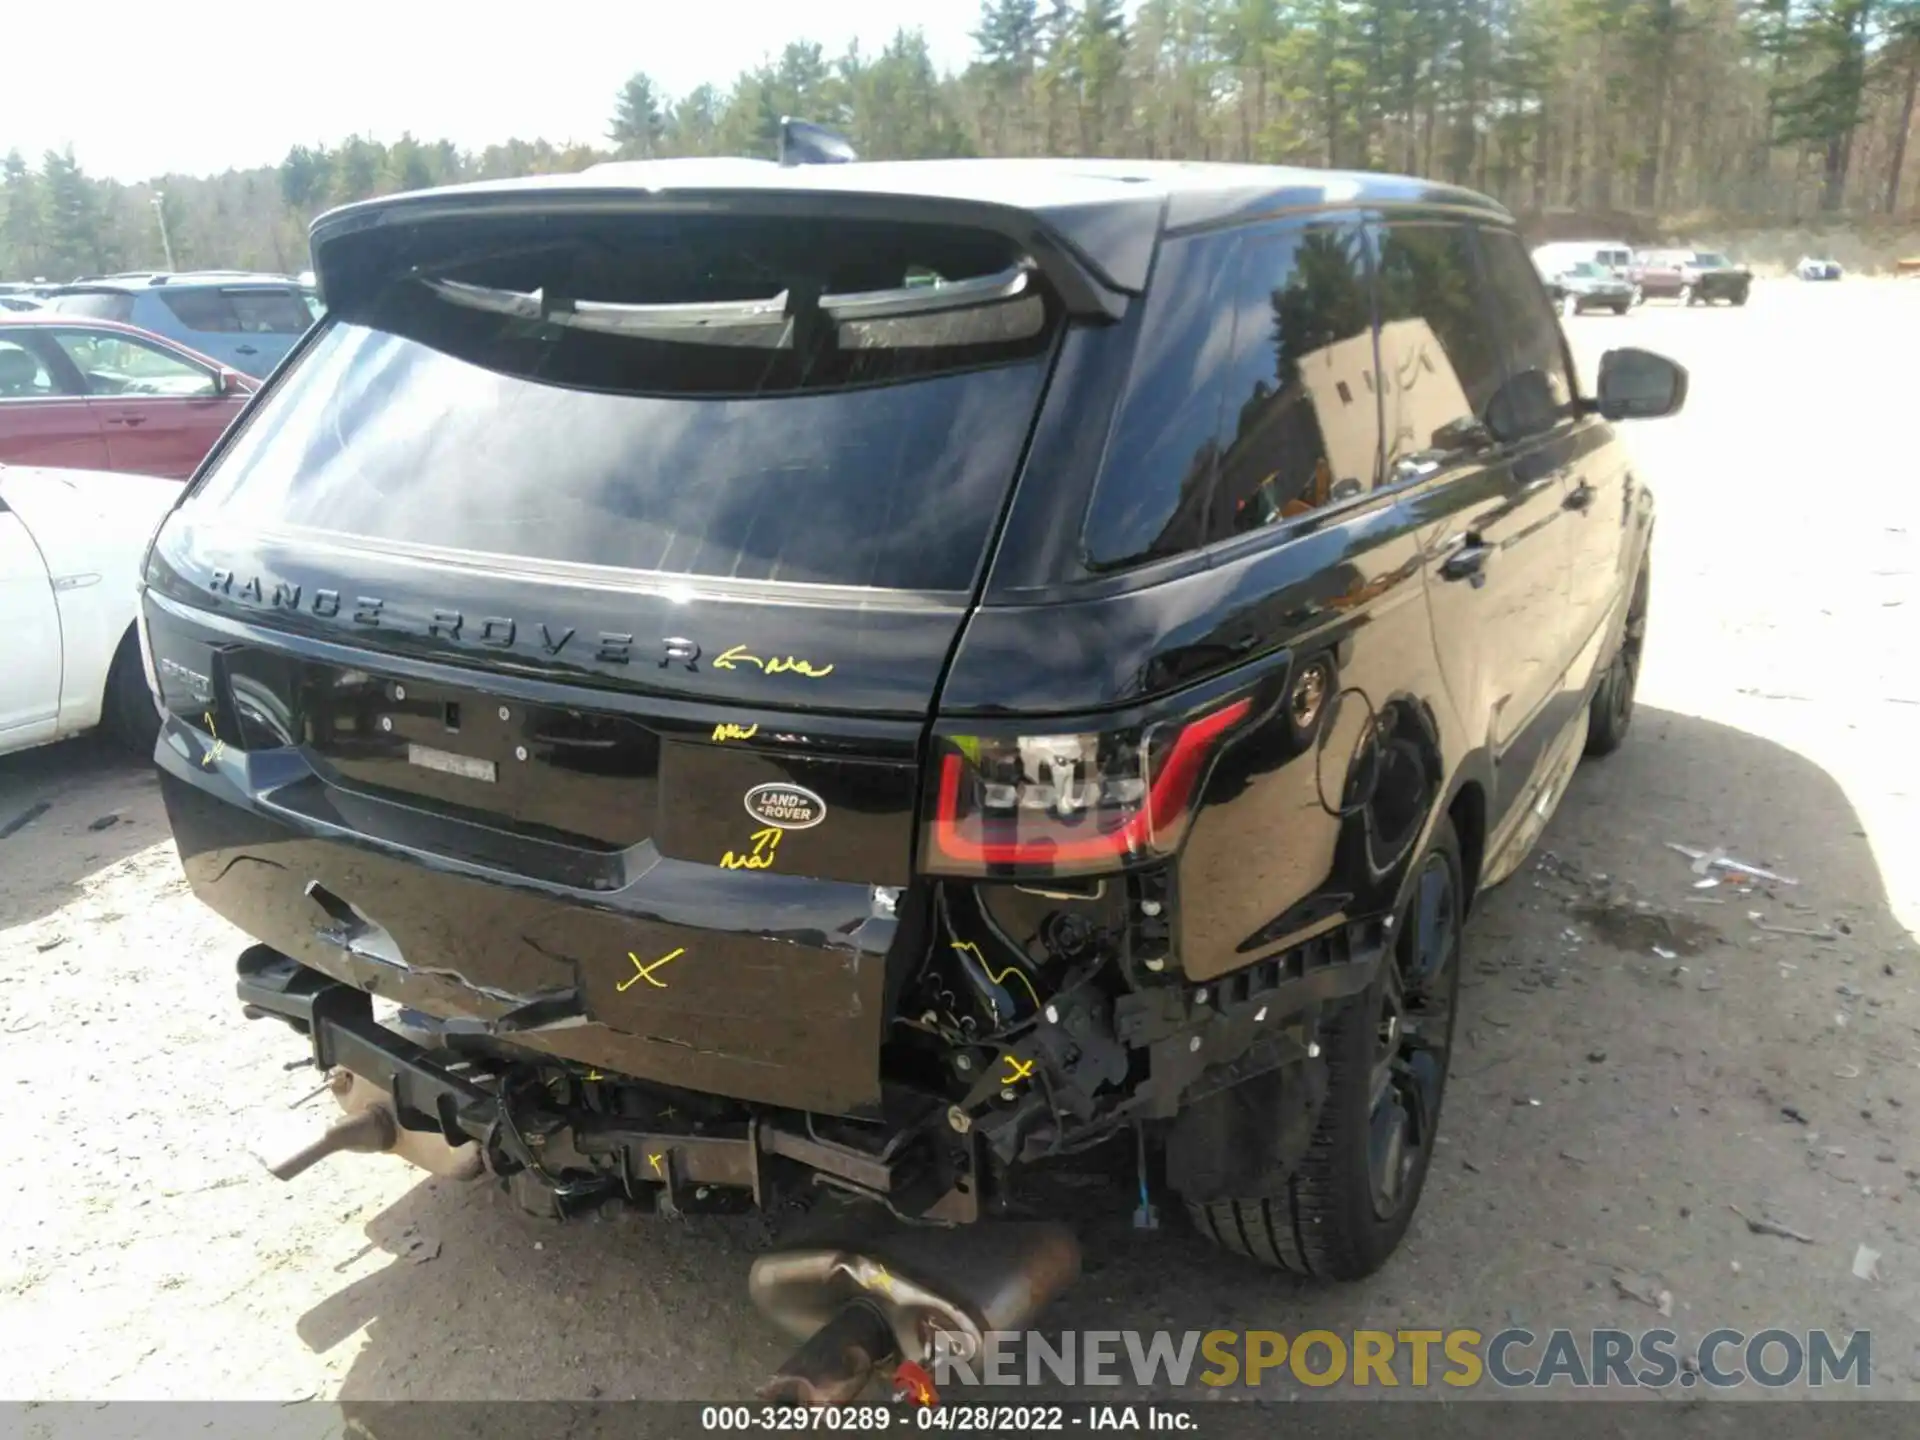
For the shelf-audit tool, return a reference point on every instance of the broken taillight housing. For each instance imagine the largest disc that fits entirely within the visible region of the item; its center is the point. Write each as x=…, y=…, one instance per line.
x=1071, y=802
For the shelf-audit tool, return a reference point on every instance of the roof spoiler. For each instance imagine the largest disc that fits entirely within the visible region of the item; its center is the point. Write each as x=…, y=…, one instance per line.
x=804, y=143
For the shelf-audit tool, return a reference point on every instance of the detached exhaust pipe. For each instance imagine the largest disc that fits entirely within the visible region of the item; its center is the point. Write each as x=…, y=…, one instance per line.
x=905, y=1296
x=369, y=1126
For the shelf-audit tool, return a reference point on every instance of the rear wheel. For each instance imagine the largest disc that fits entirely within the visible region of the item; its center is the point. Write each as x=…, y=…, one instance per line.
x=1349, y=1201
x=1611, y=710
x=1621, y=308
x=128, y=713
x=1740, y=297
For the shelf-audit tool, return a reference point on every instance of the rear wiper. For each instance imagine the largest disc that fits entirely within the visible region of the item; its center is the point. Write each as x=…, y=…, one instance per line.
x=755, y=323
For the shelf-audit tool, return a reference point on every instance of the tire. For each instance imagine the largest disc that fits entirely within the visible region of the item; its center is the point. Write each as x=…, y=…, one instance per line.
x=128, y=714
x=1621, y=308
x=1328, y=1222
x=1610, y=712
x=1740, y=297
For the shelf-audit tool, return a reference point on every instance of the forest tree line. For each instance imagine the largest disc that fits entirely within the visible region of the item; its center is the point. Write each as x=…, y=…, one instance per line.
x=1741, y=110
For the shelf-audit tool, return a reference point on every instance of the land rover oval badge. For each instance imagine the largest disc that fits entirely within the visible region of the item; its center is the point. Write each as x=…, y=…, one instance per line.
x=785, y=807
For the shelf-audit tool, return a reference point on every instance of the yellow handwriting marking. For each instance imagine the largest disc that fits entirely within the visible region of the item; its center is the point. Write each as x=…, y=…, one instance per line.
x=654, y=1161
x=219, y=747
x=765, y=844
x=1017, y=1070
x=1001, y=978
x=881, y=1280
x=735, y=732
x=595, y=1075
x=737, y=656
x=645, y=972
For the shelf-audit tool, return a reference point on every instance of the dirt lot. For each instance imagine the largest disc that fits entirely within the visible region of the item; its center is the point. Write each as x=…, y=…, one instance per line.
x=1609, y=1107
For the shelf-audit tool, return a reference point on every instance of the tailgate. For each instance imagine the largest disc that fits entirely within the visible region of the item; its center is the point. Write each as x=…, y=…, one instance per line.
x=567, y=617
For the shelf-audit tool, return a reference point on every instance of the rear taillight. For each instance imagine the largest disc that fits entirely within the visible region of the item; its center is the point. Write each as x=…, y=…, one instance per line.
x=1071, y=803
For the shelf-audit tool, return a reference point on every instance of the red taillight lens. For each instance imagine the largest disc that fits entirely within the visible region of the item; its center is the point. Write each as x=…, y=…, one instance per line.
x=1069, y=804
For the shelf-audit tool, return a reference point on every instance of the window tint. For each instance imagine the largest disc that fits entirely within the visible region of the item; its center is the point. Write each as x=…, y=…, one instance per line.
x=23, y=375
x=1439, y=356
x=1538, y=393
x=270, y=312
x=1160, y=461
x=378, y=434
x=203, y=310
x=121, y=365
x=1301, y=425
x=95, y=305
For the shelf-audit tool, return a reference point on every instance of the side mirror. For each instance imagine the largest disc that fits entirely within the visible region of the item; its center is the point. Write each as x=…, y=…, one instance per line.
x=227, y=382
x=1525, y=405
x=1639, y=385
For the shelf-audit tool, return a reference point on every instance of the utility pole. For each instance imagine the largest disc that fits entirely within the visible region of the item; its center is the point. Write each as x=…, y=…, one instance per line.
x=160, y=213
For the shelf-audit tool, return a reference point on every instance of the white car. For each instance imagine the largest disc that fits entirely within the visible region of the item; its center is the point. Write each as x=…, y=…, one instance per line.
x=1817, y=267
x=71, y=542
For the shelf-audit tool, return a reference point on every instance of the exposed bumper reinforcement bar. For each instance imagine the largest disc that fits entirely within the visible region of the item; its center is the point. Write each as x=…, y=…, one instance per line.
x=426, y=1095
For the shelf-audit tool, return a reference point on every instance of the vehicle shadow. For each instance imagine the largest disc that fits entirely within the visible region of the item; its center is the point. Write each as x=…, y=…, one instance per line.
x=51, y=798
x=1596, y=1085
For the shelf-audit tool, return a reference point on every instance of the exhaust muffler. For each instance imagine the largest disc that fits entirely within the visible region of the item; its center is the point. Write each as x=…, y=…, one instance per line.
x=904, y=1295
x=368, y=1126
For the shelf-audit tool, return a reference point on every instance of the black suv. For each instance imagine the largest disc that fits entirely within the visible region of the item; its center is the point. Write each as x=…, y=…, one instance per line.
x=865, y=676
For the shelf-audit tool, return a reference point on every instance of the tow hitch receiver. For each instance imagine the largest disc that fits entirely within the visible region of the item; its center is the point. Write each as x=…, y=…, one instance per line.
x=901, y=1294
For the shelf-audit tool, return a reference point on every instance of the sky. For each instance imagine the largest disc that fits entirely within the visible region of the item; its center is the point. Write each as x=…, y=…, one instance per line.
x=142, y=89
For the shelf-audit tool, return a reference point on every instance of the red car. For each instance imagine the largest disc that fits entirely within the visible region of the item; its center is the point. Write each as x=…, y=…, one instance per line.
x=95, y=395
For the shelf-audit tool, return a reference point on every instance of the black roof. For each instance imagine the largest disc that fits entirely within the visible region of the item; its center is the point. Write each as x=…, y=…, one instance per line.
x=1108, y=214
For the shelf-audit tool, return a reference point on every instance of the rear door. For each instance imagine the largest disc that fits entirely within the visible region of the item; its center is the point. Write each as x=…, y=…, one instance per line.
x=622, y=559
x=159, y=410
x=44, y=415
x=1497, y=546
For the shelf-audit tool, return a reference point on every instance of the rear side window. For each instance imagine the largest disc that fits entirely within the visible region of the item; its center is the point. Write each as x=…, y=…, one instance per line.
x=1302, y=421
x=803, y=401
x=95, y=305
x=269, y=312
x=1253, y=400
x=204, y=310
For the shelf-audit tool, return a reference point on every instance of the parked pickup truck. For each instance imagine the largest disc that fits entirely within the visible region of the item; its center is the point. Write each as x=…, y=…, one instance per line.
x=1693, y=277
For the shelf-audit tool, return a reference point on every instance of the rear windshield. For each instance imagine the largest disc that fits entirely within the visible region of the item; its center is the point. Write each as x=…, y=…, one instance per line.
x=94, y=304
x=802, y=402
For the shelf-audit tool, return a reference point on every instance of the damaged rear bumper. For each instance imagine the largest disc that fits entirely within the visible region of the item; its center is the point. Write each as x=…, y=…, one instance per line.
x=462, y=1105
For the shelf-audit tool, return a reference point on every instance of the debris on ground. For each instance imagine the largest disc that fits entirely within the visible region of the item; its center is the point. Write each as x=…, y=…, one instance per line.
x=1645, y=1289
x=1707, y=861
x=419, y=1250
x=1793, y=1113
x=105, y=822
x=25, y=818
x=1866, y=1263
x=1796, y=930
x=54, y=944
x=1847, y=1072
x=1771, y=1227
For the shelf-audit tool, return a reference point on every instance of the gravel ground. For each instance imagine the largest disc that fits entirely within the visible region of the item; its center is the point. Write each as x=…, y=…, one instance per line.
x=1609, y=1108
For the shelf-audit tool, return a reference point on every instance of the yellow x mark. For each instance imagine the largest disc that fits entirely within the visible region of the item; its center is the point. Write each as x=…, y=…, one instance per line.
x=1016, y=1069
x=654, y=1161
x=645, y=972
